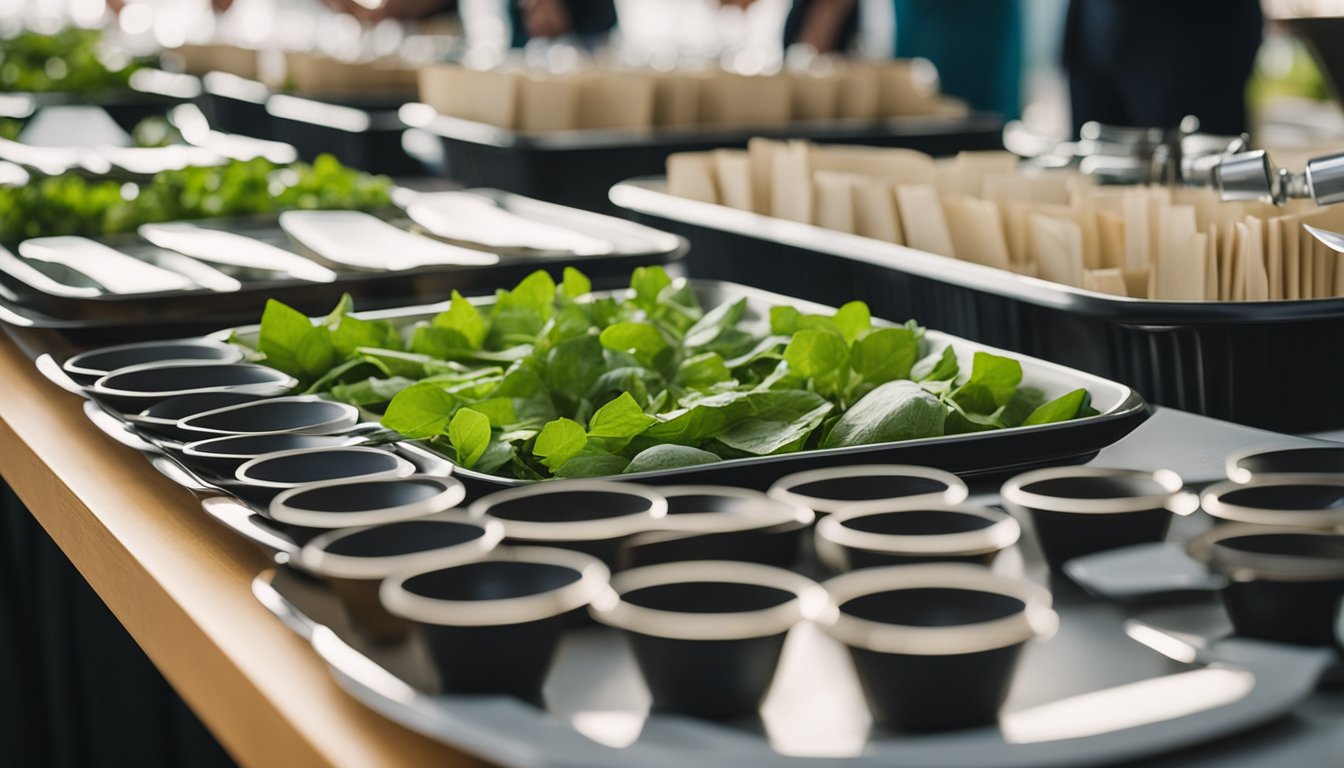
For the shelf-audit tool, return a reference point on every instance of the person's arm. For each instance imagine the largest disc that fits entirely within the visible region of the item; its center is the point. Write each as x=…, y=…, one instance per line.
x=387, y=9
x=823, y=23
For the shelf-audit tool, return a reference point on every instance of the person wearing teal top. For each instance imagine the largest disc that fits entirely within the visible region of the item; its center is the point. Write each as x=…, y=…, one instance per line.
x=975, y=44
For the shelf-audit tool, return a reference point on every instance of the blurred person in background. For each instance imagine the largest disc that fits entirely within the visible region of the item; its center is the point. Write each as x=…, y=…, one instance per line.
x=589, y=21
x=1149, y=63
x=976, y=45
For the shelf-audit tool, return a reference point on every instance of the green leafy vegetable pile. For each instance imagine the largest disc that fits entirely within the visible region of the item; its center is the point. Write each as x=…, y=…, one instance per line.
x=72, y=205
x=69, y=60
x=552, y=382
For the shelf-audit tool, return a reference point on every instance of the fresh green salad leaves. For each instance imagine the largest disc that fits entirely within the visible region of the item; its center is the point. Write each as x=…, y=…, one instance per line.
x=550, y=381
x=71, y=60
x=72, y=205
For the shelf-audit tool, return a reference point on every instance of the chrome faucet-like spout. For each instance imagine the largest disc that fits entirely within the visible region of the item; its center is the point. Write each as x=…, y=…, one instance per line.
x=1254, y=176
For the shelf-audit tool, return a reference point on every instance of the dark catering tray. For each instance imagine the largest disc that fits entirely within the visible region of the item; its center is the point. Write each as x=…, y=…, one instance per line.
x=1257, y=363
x=151, y=94
x=578, y=167
x=173, y=312
x=993, y=452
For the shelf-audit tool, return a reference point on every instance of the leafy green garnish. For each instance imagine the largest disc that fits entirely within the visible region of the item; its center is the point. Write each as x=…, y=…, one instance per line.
x=550, y=381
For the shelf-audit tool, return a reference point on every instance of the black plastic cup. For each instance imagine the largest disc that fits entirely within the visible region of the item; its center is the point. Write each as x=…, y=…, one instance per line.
x=1082, y=510
x=354, y=562
x=301, y=414
x=87, y=367
x=1299, y=462
x=935, y=645
x=719, y=522
x=869, y=535
x=223, y=455
x=492, y=625
x=825, y=491
x=160, y=420
x=1299, y=501
x=261, y=478
x=309, y=510
x=708, y=634
x=591, y=516
x=1283, y=584
x=133, y=389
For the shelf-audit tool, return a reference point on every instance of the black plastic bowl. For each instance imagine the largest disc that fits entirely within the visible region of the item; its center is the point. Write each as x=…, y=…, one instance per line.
x=708, y=634
x=935, y=645
x=161, y=418
x=88, y=367
x=867, y=536
x=1301, y=461
x=1081, y=510
x=223, y=455
x=592, y=516
x=356, y=561
x=309, y=510
x=492, y=625
x=303, y=414
x=260, y=479
x=1294, y=501
x=133, y=389
x=719, y=522
x=827, y=490
x=1284, y=584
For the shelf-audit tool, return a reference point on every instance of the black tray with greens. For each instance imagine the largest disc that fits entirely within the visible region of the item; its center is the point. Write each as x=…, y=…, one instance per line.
x=687, y=381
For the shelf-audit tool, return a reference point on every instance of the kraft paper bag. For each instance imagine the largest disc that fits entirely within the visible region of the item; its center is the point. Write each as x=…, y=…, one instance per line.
x=1111, y=239
x=691, y=175
x=1274, y=257
x=834, y=196
x=896, y=166
x=1211, y=264
x=745, y=101
x=977, y=231
x=1292, y=258
x=676, y=100
x=906, y=87
x=875, y=211
x=200, y=59
x=1016, y=225
x=1137, y=225
x=791, y=187
x=859, y=96
x=1136, y=282
x=815, y=96
x=1240, y=260
x=922, y=219
x=1178, y=269
x=548, y=102
x=761, y=155
x=732, y=171
x=315, y=73
x=1111, y=280
x=489, y=97
x=1058, y=246
x=1227, y=243
x=615, y=100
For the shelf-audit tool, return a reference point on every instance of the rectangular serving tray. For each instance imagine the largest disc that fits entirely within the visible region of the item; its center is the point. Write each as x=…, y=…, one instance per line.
x=1221, y=359
x=34, y=303
x=998, y=451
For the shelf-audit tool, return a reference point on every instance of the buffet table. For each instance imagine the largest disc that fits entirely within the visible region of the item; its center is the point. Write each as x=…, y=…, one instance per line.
x=180, y=584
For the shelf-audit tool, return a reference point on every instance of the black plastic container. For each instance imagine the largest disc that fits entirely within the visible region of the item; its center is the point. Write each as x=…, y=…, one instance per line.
x=492, y=625
x=830, y=489
x=87, y=367
x=260, y=479
x=301, y=414
x=579, y=167
x=223, y=455
x=1081, y=510
x=1297, y=501
x=719, y=522
x=1284, y=584
x=363, y=133
x=1219, y=359
x=310, y=510
x=138, y=387
x=871, y=535
x=708, y=634
x=935, y=645
x=161, y=418
x=354, y=562
x=590, y=516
